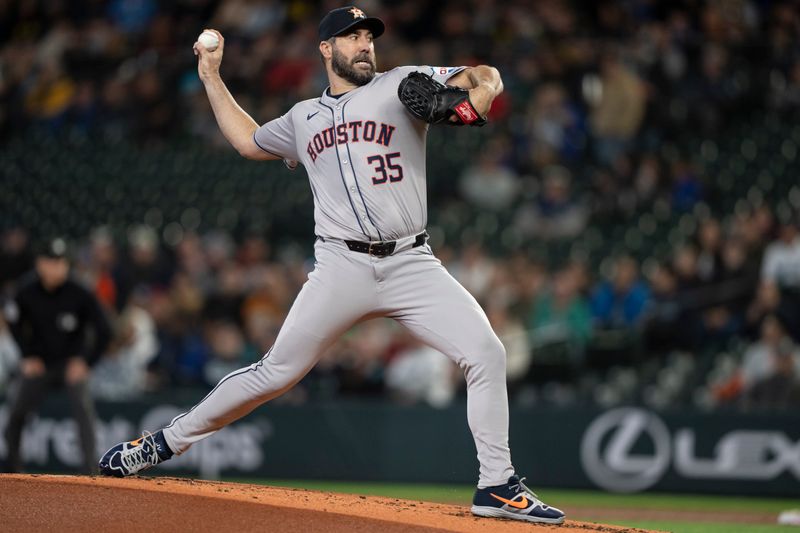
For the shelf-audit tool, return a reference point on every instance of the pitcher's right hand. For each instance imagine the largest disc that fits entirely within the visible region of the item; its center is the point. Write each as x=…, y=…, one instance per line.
x=208, y=62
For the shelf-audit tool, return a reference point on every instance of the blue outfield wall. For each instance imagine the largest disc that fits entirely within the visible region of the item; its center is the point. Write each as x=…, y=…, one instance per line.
x=623, y=449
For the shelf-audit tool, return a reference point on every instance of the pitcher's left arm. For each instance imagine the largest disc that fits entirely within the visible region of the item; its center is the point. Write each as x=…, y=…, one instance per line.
x=483, y=83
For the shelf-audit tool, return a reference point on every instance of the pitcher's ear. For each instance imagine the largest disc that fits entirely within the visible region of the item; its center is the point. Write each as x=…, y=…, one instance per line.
x=326, y=49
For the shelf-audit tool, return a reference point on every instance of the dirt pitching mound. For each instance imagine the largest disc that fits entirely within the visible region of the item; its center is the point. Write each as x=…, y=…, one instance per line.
x=73, y=503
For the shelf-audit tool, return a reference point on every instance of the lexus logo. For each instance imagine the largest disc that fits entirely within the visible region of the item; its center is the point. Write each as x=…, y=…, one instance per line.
x=627, y=450
x=607, y=450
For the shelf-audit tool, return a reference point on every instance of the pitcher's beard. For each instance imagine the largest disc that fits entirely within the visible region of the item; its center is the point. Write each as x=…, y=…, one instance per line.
x=347, y=71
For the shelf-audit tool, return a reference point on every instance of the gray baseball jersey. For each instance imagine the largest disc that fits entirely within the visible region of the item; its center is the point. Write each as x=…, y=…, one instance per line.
x=365, y=157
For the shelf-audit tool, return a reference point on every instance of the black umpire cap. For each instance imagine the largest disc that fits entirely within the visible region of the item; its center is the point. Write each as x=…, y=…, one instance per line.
x=342, y=19
x=55, y=248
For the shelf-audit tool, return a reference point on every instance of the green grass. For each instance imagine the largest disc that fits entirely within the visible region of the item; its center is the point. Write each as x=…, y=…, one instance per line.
x=687, y=502
x=462, y=494
x=705, y=527
x=559, y=497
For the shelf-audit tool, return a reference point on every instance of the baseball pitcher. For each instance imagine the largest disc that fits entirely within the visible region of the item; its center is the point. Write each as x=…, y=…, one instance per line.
x=362, y=143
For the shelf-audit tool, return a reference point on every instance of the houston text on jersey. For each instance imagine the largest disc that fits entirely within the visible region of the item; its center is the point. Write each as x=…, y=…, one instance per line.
x=356, y=131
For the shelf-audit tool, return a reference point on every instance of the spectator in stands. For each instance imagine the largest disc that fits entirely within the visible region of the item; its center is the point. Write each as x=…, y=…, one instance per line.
x=419, y=373
x=786, y=95
x=665, y=313
x=618, y=110
x=474, y=269
x=620, y=302
x=555, y=213
x=9, y=354
x=647, y=180
x=270, y=294
x=758, y=361
x=115, y=110
x=686, y=187
x=252, y=255
x=716, y=88
x=156, y=116
x=530, y=279
x=694, y=295
x=781, y=266
x=560, y=320
x=738, y=275
x=122, y=373
x=358, y=361
x=96, y=267
x=780, y=272
x=145, y=267
x=709, y=241
x=554, y=126
x=684, y=264
x=767, y=301
x=190, y=260
x=227, y=350
x=225, y=301
x=514, y=338
x=81, y=115
x=761, y=362
x=728, y=297
x=726, y=283
x=780, y=387
x=755, y=228
x=132, y=16
x=250, y=19
x=48, y=100
x=187, y=297
x=261, y=326
x=491, y=183
x=15, y=257
x=220, y=249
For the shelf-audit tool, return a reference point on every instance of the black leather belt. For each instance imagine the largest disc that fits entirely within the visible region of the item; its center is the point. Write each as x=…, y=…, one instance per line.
x=382, y=248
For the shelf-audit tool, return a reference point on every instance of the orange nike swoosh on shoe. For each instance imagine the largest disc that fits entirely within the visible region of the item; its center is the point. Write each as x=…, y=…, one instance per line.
x=136, y=442
x=522, y=504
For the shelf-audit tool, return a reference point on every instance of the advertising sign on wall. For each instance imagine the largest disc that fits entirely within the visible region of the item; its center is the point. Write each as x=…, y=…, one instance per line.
x=627, y=449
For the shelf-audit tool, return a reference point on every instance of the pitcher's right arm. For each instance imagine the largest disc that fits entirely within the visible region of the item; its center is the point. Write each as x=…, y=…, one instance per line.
x=236, y=125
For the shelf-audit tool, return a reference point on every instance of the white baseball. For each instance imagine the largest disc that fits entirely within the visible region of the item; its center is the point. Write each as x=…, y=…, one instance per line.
x=209, y=40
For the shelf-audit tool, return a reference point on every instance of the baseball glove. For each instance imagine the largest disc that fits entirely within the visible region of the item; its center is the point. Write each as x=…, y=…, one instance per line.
x=429, y=100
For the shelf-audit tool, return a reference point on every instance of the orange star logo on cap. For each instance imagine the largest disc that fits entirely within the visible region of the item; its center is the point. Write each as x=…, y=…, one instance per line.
x=357, y=13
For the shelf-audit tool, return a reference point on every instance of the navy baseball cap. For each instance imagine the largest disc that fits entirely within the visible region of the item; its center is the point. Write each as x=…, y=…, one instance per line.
x=56, y=248
x=342, y=19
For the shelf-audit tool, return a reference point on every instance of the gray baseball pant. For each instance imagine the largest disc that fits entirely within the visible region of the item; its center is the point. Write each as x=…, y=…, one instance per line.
x=345, y=287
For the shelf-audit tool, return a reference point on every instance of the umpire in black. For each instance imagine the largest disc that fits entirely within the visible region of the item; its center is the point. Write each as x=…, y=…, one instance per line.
x=61, y=330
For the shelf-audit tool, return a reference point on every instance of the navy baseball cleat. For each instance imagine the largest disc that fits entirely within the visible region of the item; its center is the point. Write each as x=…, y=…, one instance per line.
x=129, y=458
x=516, y=501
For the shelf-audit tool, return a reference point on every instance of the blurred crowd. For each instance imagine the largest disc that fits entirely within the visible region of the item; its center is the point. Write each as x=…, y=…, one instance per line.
x=188, y=316
x=604, y=76
x=594, y=92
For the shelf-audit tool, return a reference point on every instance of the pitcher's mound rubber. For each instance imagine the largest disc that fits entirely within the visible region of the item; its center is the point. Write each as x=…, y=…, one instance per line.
x=74, y=503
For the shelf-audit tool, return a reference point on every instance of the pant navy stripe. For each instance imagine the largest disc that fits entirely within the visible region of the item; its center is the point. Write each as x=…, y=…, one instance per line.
x=242, y=371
